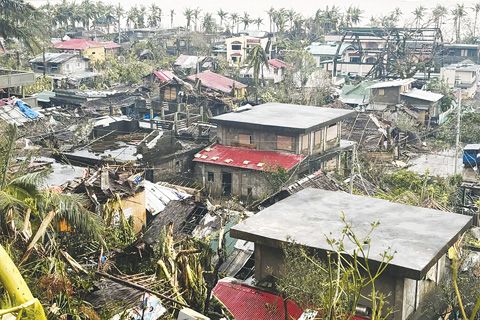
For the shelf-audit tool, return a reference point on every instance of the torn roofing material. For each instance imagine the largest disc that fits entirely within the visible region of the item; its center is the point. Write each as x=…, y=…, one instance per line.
x=393, y=83
x=82, y=44
x=157, y=197
x=247, y=158
x=164, y=76
x=423, y=95
x=311, y=215
x=216, y=81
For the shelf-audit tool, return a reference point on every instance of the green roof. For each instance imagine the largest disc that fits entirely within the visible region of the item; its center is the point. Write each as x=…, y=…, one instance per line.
x=356, y=94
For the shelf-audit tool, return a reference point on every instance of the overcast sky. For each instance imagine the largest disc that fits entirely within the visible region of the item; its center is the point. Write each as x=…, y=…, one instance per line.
x=257, y=8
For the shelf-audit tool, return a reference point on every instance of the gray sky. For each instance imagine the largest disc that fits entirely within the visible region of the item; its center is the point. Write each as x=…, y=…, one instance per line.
x=257, y=8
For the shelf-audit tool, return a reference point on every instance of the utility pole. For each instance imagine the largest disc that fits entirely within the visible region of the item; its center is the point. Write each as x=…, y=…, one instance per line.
x=457, y=138
x=352, y=169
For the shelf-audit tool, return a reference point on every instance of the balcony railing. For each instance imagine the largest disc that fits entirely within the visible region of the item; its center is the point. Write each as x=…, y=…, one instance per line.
x=15, y=78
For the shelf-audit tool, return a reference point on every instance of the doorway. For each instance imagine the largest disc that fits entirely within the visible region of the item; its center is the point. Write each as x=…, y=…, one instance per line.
x=226, y=184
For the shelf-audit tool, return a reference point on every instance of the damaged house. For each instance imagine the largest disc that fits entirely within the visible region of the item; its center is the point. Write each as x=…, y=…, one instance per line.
x=256, y=143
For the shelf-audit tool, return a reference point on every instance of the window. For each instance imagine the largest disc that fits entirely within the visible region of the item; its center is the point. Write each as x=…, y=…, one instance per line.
x=355, y=59
x=381, y=92
x=234, y=59
x=305, y=142
x=275, y=71
x=317, y=138
x=170, y=93
x=245, y=139
x=236, y=46
x=332, y=132
x=285, y=143
x=210, y=177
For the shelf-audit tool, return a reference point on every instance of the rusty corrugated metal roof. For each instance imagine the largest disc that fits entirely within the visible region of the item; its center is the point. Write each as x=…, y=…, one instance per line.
x=247, y=158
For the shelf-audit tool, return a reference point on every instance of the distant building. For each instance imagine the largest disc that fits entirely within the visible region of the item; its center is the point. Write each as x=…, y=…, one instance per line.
x=388, y=93
x=274, y=72
x=451, y=53
x=256, y=141
x=94, y=50
x=187, y=64
x=427, y=104
x=59, y=63
x=462, y=76
x=213, y=81
x=239, y=47
x=309, y=216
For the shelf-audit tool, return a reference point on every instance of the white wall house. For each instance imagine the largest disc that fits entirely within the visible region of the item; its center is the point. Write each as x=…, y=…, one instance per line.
x=239, y=47
x=274, y=73
x=463, y=76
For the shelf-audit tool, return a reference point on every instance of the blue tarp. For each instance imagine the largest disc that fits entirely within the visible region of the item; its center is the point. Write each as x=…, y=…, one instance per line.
x=29, y=113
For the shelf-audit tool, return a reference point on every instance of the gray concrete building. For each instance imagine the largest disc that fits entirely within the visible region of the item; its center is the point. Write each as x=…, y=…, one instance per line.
x=255, y=141
x=419, y=239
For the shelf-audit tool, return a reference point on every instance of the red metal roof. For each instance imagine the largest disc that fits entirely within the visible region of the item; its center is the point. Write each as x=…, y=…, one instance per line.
x=247, y=303
x=82, y=44
x=164, y=75
x=247, y=158
x=276, y=63
x=216, y=81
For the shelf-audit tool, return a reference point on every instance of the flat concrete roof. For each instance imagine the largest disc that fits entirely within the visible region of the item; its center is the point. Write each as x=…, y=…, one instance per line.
x=419, y=236
x=280, y=115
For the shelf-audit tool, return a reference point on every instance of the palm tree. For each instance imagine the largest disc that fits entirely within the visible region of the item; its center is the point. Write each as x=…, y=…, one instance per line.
x=245, y=20
x=458, y=13
x=234, y=19
x=155, y=17
x=172, y=13
x=280, y=20
x=222, y=15
x=439, y=12
x=271, y=13
x=119, y=12
x=353, y=16
x=257, y=59
x=188, y=13
x=258, y=22
x=196, y=15
x=291, y=16
x=476, y=8
x=17, y=21
x=208, y=24
x=21, y=195
x=418, y=13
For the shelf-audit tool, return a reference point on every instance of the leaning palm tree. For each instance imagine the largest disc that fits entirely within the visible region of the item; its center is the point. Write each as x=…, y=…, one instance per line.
x=17, y=21
x=257, y=60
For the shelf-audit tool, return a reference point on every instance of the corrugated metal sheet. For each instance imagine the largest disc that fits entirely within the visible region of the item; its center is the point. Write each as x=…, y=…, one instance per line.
x=188, y=62
x=53, y=57
x=82, y=44
x=277, y=63
x=157, y=197
x=12, y=115
x=247, y=303
x=164, y=75
x=216, y=81
x=247, y=158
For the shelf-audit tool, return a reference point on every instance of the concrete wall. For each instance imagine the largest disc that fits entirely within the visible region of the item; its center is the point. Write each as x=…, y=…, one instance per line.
x=403, y=295
x=391, y=96
x=315, y=142
x=246, y=184
x=73, y=65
